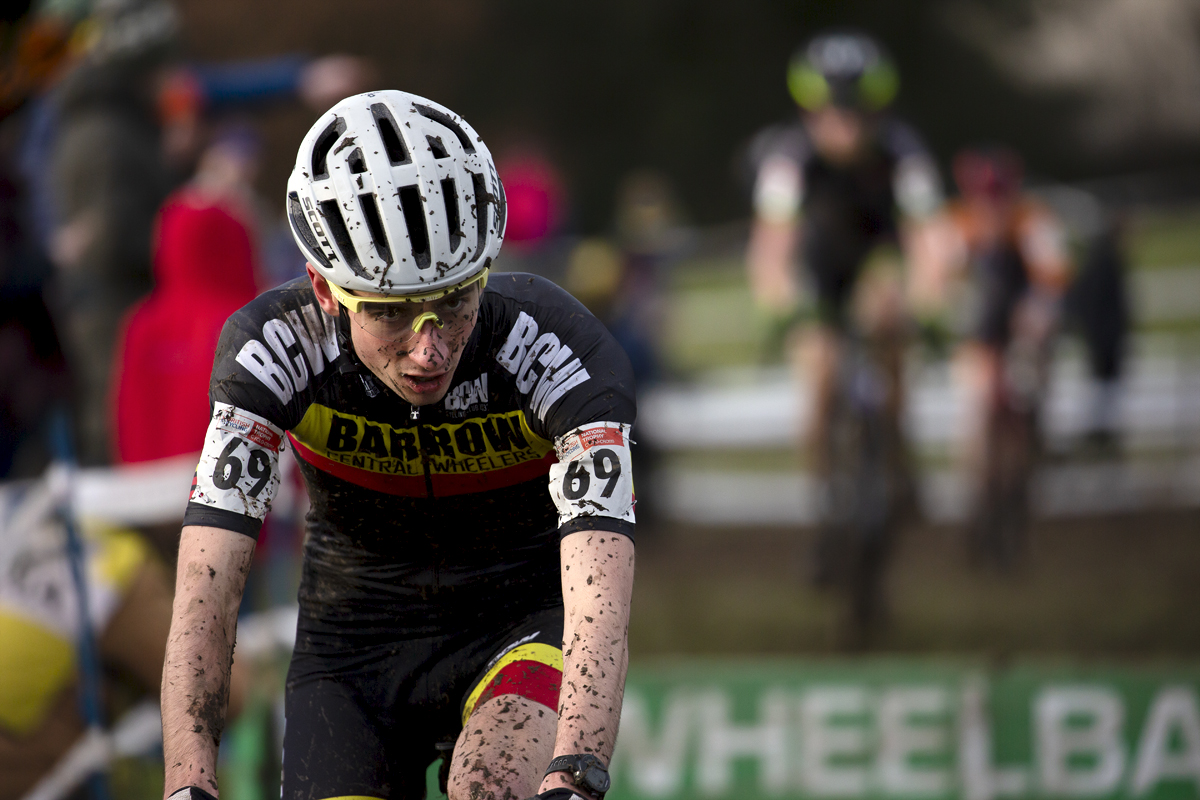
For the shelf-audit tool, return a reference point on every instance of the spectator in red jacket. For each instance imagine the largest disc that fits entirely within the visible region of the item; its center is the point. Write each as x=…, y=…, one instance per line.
x=204, y=270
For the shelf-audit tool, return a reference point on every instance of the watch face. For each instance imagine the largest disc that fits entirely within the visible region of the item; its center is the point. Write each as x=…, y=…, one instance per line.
x=596, y=779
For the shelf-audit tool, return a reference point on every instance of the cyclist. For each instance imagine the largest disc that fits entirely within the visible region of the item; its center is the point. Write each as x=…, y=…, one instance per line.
x=1003, y=263
x=839, y=188
x=465, y=447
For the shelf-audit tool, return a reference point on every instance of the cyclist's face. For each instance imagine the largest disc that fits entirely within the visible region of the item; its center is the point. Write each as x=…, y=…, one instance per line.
x=838, y=134
x=416, y=364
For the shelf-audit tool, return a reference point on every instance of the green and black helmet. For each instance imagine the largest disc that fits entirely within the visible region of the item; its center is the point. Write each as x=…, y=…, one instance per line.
x=846, y=69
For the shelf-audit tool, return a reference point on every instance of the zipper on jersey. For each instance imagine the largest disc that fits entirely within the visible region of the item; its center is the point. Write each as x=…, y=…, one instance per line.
x=414, y=416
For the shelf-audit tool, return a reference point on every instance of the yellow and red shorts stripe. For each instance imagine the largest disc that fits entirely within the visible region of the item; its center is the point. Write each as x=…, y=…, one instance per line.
x=533, y=671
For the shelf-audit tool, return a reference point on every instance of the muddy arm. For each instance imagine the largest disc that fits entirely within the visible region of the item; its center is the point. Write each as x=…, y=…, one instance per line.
x=213, y=564
x=597, y=577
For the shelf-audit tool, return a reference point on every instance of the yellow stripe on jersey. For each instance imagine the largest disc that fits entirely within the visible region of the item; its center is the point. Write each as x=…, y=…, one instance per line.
x=493, y=442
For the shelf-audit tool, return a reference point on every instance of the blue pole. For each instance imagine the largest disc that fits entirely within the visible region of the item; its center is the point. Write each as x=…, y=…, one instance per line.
x=89, y=654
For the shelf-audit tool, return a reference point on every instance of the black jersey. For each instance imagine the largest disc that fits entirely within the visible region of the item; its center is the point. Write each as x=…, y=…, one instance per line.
x=844, y=210
x=423, y=514
x=845, y=202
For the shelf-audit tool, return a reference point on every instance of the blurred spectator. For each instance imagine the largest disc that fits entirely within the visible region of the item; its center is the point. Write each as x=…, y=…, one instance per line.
x=623, y=286
x=104, y=145
x=32, y=372
x=594, y=274
x=1098, y=304
x=204, y=270
x=534, y=195
x=651, y=235
x=129, y=603
x=108, y=179
x=536, y=211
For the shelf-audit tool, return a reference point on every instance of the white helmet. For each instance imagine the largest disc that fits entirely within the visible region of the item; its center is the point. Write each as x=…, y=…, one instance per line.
x=393, y=193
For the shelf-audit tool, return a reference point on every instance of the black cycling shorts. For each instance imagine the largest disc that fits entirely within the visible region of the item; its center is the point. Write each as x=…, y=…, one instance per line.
x=364, y=718
x=834, y=259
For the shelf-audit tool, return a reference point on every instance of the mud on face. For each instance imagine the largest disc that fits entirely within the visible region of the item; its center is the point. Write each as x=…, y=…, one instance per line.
x=434, y=351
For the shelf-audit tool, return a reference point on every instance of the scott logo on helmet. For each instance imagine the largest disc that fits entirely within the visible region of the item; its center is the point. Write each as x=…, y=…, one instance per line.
x=322, y=237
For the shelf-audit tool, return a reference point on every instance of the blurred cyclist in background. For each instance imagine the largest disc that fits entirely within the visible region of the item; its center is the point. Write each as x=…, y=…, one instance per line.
x=999, y=265
x=843, y=189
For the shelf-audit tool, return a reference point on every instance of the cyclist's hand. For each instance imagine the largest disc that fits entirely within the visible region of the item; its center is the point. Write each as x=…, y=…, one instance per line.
x=191, y=793
x=778, y=326
x=935, y=335
x=561, y=793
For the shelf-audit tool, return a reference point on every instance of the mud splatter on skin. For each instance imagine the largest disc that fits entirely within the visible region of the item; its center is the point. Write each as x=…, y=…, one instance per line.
x=502, y=753
x=208, y=710
x=425, y=355
x=595, y=654
x=199, y=653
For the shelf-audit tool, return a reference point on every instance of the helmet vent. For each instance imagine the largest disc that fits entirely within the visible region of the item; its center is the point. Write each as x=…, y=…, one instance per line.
x=324, y=144
x=375, y=226
x=389, y=135
x=482, y=199
x=435, y=145
x=414, y=218
x=302, y=229
x=450, y=195
x=448, y=121
x=341, y=237
x=358, y=164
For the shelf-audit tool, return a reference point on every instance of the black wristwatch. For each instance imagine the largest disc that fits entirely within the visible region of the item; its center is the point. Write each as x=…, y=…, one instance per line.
x=587, y=772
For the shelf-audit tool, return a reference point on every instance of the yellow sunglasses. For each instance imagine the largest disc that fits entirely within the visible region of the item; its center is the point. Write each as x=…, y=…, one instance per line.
x=355, y=304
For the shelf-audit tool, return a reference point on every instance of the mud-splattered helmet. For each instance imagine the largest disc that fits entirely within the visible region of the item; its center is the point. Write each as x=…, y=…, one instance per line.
x=395, y=194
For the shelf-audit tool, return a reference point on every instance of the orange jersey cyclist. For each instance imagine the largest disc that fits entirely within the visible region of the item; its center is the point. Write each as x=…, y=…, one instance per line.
x=465, y=443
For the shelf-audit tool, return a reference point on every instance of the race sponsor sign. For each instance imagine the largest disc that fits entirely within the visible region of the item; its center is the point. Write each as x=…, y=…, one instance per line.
x=901, y=728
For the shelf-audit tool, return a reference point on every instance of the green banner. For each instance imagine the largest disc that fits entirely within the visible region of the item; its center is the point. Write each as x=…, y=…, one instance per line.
x=881, y=728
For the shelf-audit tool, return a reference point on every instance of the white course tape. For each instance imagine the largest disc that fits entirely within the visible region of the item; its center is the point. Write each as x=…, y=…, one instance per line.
x=137, y=494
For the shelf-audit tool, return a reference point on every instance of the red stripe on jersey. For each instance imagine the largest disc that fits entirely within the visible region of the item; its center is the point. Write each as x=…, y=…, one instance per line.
x=532, y=680
x=443, y=484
